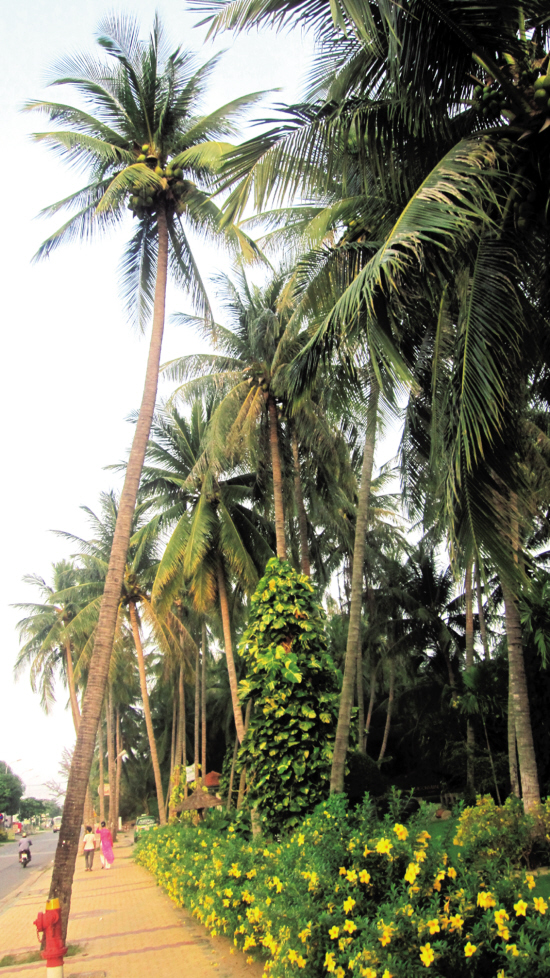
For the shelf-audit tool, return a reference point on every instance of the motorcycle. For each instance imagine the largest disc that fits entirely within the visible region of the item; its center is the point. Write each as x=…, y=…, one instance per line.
x=24, y=858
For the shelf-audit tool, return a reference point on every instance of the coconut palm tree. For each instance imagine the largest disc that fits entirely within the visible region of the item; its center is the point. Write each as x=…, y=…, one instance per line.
x=146, y=146
x=255, y=351
x=49, y=647
x=135, y=607
x=216, y=532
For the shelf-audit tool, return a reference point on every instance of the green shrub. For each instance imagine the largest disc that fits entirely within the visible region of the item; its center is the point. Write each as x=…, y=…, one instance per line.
x=293, y=684
x=504, y=833
x=348, y=895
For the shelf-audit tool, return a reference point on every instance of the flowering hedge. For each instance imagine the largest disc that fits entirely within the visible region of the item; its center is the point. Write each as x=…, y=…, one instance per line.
x=504, y=833
x=347, y=895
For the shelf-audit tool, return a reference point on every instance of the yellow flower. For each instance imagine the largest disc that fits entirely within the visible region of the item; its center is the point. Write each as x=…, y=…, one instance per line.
x=352, y=876
x=530, y=879
x=364, y=877
x=387, y=974
x=384, y=846
x=501, y=916
x=456, y=922
x=420, y=855
x=386, y=937
x=401, y=832
x=504, y=933
x=423, y=837
x=300, y=961
x=540, y=905
x=349, y=926
x=333, y=933
x=367, y=973
x=301, y=840
x=330, y=963
x=521, y=908
x=426, y=955
x=433, y=926
x=512, y=949
x=486, y=900
x=343, y=871
x=412, y=873
x=340, y=973
x=470, y=949
x=348, y=905
x=451, y=873
x=366, y=851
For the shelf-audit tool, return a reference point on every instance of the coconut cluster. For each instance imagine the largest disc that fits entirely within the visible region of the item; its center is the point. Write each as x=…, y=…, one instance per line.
x=144, y=196
x=488, y=99
x=542, y=93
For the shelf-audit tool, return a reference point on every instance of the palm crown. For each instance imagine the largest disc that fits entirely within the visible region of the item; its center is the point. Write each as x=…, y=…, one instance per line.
x=146, y=148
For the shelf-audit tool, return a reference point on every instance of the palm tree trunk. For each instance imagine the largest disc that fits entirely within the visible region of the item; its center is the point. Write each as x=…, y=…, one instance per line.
x=203, y=702
x=226, y=623
x=522, y=714
x=111, y=761
x=360, y=700
x=491, y=760
x=75, y=709
x=173, y=738
x=119, y=749
x=147, y=711
x=512, y=746
x=469, y=637
x=481, y=613
x=69, y=835
x=232, y=776
x=173, y=747
x=389, y=710
x=197, y=710
x=242, y=781
x=301, y=510
x=373, y=672
x=277, y=478
x=101, y=772
x=354, y=631
x=182, y=733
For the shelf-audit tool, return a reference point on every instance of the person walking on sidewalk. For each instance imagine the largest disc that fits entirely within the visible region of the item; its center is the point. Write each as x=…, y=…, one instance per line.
x=88, y=847
x=106, y=855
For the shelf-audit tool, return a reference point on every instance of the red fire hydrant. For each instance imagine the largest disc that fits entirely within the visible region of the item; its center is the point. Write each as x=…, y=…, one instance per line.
x=49, y=924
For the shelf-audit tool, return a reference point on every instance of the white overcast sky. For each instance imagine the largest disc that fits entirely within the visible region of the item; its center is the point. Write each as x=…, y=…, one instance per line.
x=72, y=367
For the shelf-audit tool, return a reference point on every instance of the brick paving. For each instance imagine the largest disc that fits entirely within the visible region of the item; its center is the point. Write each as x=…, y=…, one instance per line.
x=126, y=926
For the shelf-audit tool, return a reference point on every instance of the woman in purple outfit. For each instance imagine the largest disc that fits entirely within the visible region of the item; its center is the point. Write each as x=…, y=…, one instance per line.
x=106, y=855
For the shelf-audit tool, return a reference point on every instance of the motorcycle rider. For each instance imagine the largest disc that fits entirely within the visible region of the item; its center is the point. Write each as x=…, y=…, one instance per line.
x=25, y=846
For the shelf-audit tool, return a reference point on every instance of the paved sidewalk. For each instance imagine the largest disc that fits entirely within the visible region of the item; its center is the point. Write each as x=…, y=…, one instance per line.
x=126, y=925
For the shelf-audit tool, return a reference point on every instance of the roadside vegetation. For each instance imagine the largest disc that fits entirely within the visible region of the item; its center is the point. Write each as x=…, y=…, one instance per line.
x=268, y=597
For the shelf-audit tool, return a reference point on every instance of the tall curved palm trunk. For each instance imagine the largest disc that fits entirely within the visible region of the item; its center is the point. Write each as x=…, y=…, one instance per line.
x=469, y=636
x=277, y=478
x=300, y=507
x=389, y=711
x=519, y=702
x=226, y=624
x=354, y=631
x=68, y=839
x=203, y=701
x=75, y=709
x=147, y=711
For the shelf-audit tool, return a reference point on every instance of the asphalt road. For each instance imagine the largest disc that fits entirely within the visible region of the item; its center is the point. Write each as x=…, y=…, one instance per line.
x=12, y=875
